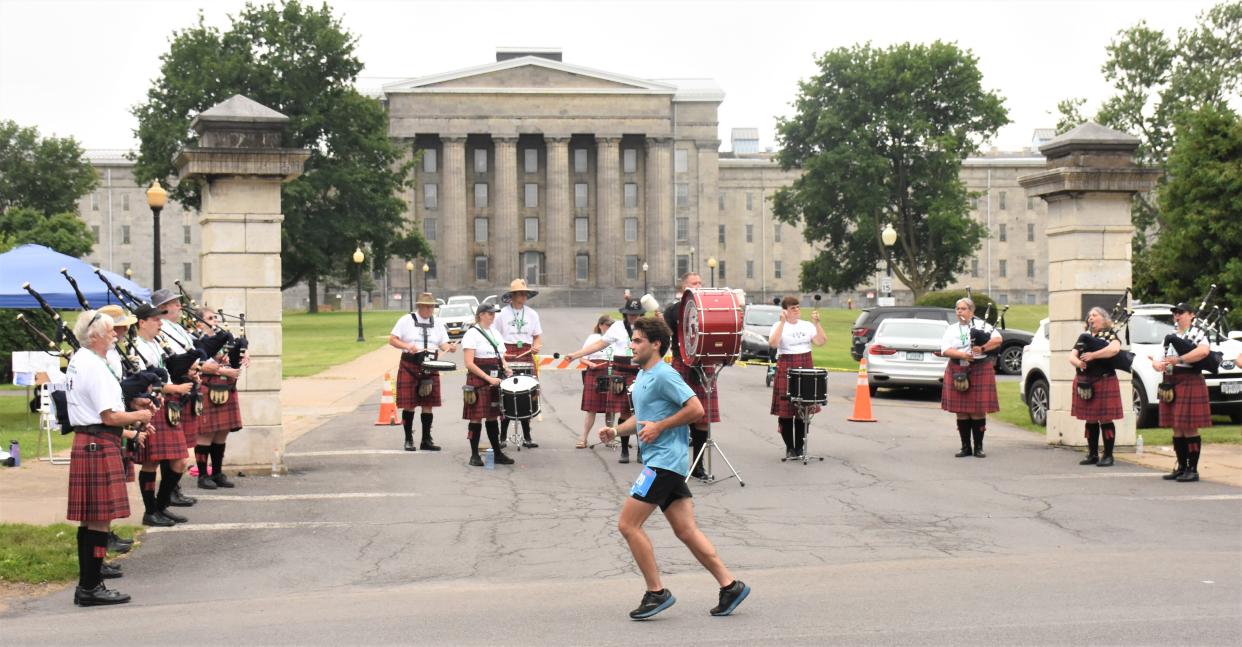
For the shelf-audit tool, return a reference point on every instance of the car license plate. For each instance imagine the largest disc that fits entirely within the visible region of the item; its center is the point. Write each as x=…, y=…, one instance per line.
x=914, y=357
x=1233, y=387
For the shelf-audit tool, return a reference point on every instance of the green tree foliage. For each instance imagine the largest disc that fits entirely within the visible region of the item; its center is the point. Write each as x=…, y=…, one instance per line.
x=47, y=174
x=949, y=298
x=300, y=61
x=880, y=135
x=1156, y=79
x=1201, y=207
x=64, y=232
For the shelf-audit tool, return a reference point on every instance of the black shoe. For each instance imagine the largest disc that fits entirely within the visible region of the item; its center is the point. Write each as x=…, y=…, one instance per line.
x=118, y=545
x=429, y=446
x=698, y=473
x=180, y=500
x=1175, y=474
x=173, y=516
x=110, y=571
x=206, y=483
x=979, y=454
x=966, y=451
x=501, y=459
x=1091, y=459
x=222, y=480
x=503, y=445
x=1107, y=461
x=98, y=596
x=475, y=461
x=409, y=445
x=652, y=604
x=730, y=597
x=157, y=519
x=530, y=445
x=1188, y=476
x=625, y=456
x=789, y=453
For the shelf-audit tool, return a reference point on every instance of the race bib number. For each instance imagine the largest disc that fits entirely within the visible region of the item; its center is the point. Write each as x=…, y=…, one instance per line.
x=642, y=485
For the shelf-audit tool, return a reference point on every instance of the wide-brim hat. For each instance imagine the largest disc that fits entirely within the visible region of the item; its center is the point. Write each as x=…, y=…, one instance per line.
x=519, y=285
x=162, y=296
x=425, y=299
x=146, y=311
x=1184, y=307
x=119, y=316
x=632, y=307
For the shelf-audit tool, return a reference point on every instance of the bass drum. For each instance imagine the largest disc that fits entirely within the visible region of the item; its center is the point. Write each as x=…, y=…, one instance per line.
x=711, y=327
x=519, y=397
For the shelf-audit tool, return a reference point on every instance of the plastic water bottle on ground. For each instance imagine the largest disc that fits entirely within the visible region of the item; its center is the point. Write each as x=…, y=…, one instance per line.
x=15, y=451
x=489, y=459
x=1138, y=445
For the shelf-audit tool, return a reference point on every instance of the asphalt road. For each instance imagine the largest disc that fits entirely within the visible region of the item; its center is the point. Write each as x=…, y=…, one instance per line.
x=890, y=540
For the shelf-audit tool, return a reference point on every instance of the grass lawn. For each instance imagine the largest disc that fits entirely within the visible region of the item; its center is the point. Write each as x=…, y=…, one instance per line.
x=37, y=554
x=17, y=423
x=315, y=342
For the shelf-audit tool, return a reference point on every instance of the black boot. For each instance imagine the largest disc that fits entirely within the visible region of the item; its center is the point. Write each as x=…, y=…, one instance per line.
x=493, y=436
x=978, y=429
x=217, y=466
x=426, y=443
x=1109, y=430
x=963, y=431
x=1179, y=448
x=472, y=434
x=1092, y=433
x=698, y=438
x=407, y=424
x=1192, y=460
x=799, y=437
x=526, y=441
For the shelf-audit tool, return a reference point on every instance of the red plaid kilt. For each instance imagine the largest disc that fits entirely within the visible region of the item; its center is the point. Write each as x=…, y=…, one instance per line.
x=1191, y=408
x=711, y=413
x=96, y=479
x=219, y=417
x=594, y=401
x=780, y=385
x=511, y=355
x=1105, y=404
x=190, y=423
x=408, y=376
x=487, y=406
x=619, y=403
x=980, y=398
x=167, y=443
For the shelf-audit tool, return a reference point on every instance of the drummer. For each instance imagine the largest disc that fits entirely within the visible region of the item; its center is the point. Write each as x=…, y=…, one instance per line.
x=419, y=336
x=711, y=406
x=621, y=365
x=595, y=400
x=485, y=364
x=518, y=326
x=792, y=338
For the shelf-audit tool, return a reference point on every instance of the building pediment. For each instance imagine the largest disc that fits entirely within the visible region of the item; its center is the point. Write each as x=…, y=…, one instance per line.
x=530, y=74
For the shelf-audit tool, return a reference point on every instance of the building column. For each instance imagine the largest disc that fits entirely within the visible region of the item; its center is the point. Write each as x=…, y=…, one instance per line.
x=610, y=249
x=558, y=258
x=451, y=260
x=658, y=223
x=505, y=255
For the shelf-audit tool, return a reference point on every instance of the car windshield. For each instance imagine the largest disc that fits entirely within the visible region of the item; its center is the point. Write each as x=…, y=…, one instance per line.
x=928, y=330
x=1150, y=329
x=764, y=317
x=455, y=310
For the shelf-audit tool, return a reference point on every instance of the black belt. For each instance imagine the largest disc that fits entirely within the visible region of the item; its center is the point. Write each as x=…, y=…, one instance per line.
x=1186, y=370
x=97, y=430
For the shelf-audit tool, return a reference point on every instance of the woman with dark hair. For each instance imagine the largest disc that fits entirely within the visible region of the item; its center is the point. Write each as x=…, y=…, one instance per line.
x=792, y=338
x=595, y=400
x=485, y=366
x=1184, y=402
x=1097, y=393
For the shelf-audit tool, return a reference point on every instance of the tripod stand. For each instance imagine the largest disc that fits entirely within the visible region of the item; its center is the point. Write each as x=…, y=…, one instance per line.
x=806, y=411
x=705, y=454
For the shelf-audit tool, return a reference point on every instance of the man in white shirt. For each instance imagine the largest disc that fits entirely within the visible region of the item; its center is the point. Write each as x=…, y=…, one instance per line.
x=518, y=326
x=419, y=336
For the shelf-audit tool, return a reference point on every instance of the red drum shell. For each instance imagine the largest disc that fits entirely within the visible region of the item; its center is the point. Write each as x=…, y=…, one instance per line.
x=711, y=326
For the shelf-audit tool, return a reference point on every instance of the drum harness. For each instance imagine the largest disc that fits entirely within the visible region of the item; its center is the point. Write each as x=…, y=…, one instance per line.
x=425, y=383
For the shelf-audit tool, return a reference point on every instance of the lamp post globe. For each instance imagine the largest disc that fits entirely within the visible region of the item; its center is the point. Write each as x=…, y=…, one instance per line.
x=129, y=273
x=426, y=269
x=359, y=257
x=409, y=267
x=889, y=238
x=711, y=263
x=645, y=267
x=157, y=197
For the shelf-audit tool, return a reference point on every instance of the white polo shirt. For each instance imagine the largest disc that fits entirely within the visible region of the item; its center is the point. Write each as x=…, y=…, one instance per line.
x=178, y=338
x=957, y=336
x=411, y=328
x=599, y=354
x=149, y=352
x=475, y=340
x=1193, y=334
x=91, y=388
x=516, y=326
x=618, y=340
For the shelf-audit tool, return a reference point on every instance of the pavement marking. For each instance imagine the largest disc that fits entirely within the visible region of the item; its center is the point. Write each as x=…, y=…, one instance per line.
x=1192, y=497
x=306, y=497
x=1093, y=475
x=258, y=525
x=350, y=452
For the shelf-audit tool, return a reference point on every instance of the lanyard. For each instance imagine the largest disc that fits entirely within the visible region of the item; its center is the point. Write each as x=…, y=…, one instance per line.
x=519, y=322
x=106, y=365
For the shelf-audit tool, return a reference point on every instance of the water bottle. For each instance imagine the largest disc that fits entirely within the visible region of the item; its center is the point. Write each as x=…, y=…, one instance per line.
x=275, y=463
x=1138, y=445
x=15, y=450
x=489, y=459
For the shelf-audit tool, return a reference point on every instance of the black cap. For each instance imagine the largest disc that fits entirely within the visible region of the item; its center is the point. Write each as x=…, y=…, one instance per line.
x=632, y=307
x=146, y=311
x=486, y=307
x=1183, y=307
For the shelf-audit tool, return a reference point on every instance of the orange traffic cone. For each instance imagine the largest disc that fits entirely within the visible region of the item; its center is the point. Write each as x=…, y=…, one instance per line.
x=862, y=396
x=388, y=404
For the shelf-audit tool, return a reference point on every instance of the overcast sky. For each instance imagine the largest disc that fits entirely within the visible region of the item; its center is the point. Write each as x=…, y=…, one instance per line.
x=76, y=68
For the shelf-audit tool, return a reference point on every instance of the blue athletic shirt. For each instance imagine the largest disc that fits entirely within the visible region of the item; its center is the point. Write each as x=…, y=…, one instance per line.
x=658, y=394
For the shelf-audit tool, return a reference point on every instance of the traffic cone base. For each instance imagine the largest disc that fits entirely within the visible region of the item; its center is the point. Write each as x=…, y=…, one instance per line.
x=862, y=396
x=388, y=404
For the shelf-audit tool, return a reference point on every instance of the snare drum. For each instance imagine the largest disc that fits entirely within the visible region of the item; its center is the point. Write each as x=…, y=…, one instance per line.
x=522, y=368
x=519, y=397
x=808, y=386
x=438, y=365
x=711, y=326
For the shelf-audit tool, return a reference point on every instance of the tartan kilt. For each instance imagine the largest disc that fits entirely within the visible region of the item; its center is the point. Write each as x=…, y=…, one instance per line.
x=167, y=443
x=1105, y=404
x=1191, y=407
x=980, y=398
x=487, y=406
x=592, y=400
x=408, y=376
x=96, y=479
x=511, y=355
x=780, y=384
x=711, y=411
x=190, y=424
x=619, y=403
x=220, y=417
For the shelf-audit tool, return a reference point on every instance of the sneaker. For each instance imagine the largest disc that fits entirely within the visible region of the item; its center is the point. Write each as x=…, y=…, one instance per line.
x=730, y=597
x=653, y=603
x=206, y=483
x=625, y=456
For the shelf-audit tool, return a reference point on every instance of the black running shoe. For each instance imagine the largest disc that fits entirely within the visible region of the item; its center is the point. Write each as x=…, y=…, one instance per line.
x=730, y=597
x=652, y=604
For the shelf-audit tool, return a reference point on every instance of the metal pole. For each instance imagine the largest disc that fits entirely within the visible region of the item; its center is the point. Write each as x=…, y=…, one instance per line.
x=155, y=275
x=411, y=289
x=713, y=277
x=359, y=300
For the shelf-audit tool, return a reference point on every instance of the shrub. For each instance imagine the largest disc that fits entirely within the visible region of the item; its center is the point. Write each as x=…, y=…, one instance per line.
x=948, y=299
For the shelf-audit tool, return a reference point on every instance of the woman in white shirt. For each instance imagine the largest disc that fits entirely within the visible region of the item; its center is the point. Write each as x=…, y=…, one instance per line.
x=969, y=388
x=1190, y=408
x=595, y=401
x=485, y=367
x=793, y=338
x=620, y=370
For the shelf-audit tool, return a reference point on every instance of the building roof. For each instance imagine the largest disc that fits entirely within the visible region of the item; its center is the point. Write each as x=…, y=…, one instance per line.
x=107, y=156
x=745, y=133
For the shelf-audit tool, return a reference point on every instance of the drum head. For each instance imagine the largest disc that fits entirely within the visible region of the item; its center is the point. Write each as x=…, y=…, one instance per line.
x=438, y=365
x=519, y=384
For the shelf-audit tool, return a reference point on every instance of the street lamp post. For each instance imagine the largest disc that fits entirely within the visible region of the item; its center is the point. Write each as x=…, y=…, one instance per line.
x=358, y=258
x=889, y=237
x=409, y=267
x=645, y=267
x=711, y=264
x=693, y=267
x=426, y=269
x=129, y=273
x=157, y=197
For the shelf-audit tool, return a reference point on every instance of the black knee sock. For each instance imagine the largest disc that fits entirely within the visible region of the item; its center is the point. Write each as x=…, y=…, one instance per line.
x=407, y=423
x=426, y=419
x=526, y=429
x=167, y=485
x=1179, y=448
x=166, y=469
x=202, y=453
x=964, y=425
x=493, y=434
x=786, y=425
x=504, y=427
x=698, y=438
x=978, y=427
x=625, y=444
x=146, y=485
x=1092, y=433
x=88, y=573
x=472, y=433
x=217, y=458
x=799, y=435
x=1192, y=452
x=1109, y=431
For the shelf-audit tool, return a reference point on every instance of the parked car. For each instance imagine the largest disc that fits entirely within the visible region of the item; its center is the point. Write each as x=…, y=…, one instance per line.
x=1008, y=356
x=757, y=324
x=456, y=317
x=493, y=299
x=1145, y=335
x=467, y=299
x=906, y=352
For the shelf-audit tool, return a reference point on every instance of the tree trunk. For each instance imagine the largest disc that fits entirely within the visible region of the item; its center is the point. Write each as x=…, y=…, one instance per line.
x=312, y=287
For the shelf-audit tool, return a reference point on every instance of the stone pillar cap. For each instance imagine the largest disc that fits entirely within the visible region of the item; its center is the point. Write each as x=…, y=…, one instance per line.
x=1090, y=137
x=238, y=109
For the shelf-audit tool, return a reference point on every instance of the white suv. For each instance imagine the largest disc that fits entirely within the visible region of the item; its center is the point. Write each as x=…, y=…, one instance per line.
x=1146, y=331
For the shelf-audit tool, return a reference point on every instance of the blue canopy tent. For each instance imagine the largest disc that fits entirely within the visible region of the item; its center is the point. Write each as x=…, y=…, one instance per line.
x=40, y=266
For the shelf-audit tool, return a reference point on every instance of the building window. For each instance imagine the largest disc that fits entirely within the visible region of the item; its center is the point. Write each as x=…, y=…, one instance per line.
x=681, y=160
x=631, y=195
x=720, y=270
x=1004, y=268
x=776, y=269
x=480, y=196
x=683, y=194
x=532, y=196
x=480, y=160
x=582, y=229
x=750, y=201
x=431, y=269
x=683, y=264
x=125, y=267
x=431, y=196
x=580, y=195
x=580, y=160
x=1004, y=232
x=185, y=234
x=124, y=234
x=124, y=202
x=480, y=268
x=974, y=268
x=631, y=268
x=1002, y=299
x=720, y=234
x=683, y=232
x=187, y=271
x=95, y=201
x=480, y=230
x=429, y=160
x=1030, y=268
x=776, y=232
x=582, y=267
x=1030, y=298
x=750, y=233
x=720, y=199
x=1030, y=204
x=429, y=228
x=1030, y=232
x=750, y=269
x=530, y=162
x=631, y=230
x=629, y=160
x=533, y=267
x=532, y=230
x=95, y=232
x=1003, y=200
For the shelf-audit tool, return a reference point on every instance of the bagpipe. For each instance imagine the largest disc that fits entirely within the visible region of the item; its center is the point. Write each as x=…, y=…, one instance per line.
x=217, y=337
x=1089, y=342
x=1204, y=320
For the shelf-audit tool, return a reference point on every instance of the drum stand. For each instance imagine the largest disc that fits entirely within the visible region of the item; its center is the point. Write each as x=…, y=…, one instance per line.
x=806, y=411
x=705, y=455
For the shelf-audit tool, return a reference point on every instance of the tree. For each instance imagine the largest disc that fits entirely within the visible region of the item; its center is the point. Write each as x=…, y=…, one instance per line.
x=64, y=232
x=299, y=61
x=1155, y=80
x=1201, y=240
x=45, y=174
x=880, y=135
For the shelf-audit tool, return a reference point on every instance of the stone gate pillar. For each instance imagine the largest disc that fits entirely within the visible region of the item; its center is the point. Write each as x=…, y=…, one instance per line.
x=240, y=164
x=1090, y=180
